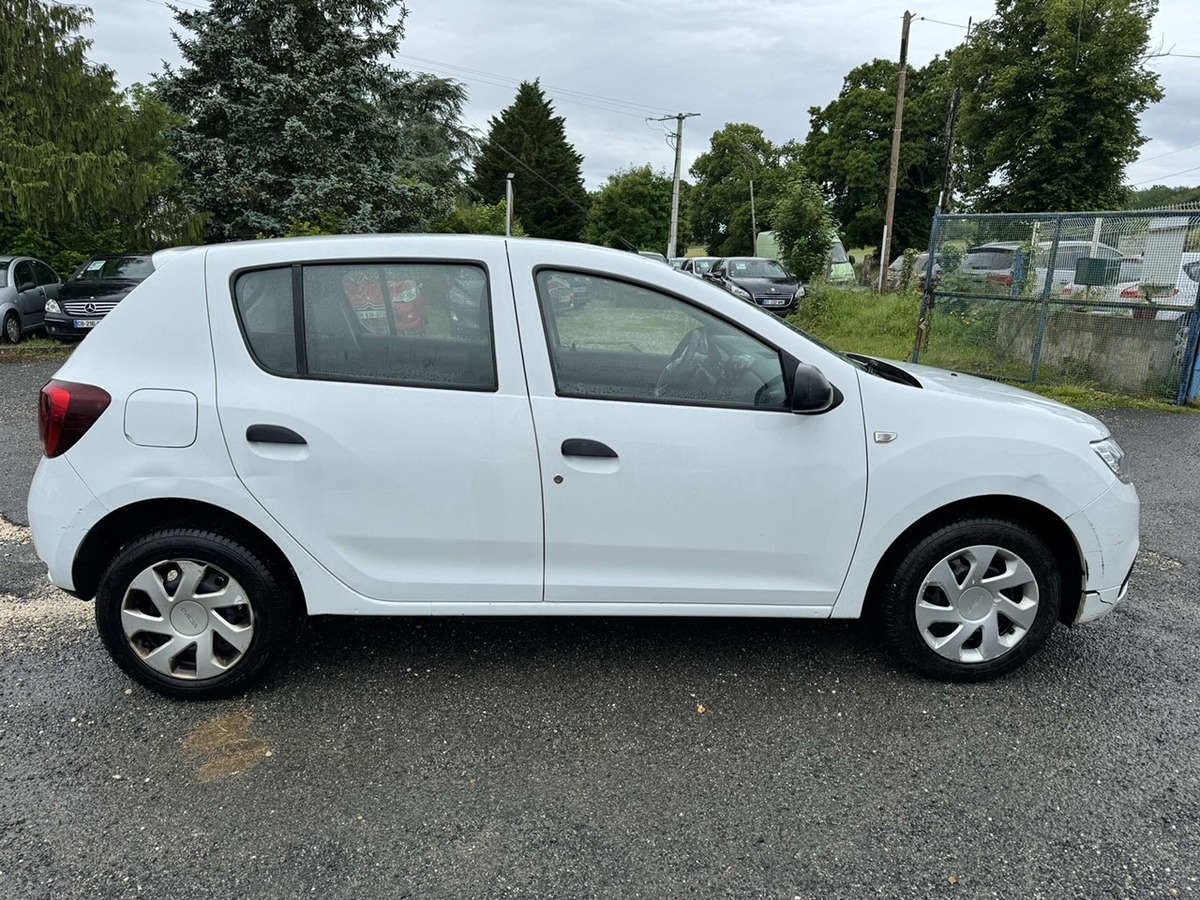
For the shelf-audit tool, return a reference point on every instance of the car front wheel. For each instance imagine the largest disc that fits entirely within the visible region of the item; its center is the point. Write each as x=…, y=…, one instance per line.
x=193, y=614
x=971, y=601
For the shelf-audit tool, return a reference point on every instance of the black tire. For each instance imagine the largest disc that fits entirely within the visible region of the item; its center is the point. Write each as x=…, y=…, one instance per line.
x=273, y=612
x=898, y=613
x=11, y=331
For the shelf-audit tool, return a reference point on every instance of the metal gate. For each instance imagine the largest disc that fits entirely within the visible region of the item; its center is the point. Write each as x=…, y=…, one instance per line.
x=1103, y=300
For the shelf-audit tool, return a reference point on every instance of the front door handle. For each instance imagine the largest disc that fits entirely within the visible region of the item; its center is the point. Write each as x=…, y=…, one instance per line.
x=585, y=447
x=273, y=434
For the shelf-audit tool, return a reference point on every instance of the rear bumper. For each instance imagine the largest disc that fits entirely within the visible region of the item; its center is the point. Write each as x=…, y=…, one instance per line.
x=1107, y=532
x=61, y=512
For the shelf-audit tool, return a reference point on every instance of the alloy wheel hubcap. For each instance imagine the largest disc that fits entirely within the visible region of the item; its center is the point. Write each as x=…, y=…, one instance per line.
x=187, y=619
x=977, y=604
x=13, y=329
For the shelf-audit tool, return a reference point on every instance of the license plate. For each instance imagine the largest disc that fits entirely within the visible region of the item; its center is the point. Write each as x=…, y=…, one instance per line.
x=86, y=323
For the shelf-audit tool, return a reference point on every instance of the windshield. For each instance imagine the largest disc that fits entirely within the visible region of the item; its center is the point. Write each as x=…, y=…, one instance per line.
x=756, y=268
x=838, y=253
x=703, y=265
x=134, y=267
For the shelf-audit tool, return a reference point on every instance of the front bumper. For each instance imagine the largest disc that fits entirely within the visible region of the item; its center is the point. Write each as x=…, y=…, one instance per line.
x=63, y=327
x=1107, y=532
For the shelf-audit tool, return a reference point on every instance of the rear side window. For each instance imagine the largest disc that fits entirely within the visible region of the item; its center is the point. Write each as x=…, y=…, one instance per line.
x=22, y=274
x=415, y=324
x=264, y=305
x=45, y=275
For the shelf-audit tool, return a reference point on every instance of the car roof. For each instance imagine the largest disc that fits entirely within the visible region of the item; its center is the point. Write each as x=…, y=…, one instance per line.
x=996, y=245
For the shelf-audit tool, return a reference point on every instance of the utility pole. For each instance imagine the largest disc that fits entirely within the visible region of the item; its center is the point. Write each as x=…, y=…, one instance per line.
x=946, y=201
x=673, y=240
x=508, y=204
x=753, y=223
x=893, y=174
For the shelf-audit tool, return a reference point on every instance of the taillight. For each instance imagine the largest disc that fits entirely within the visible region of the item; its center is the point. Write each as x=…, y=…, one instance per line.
x=1131, y=293
x=66, y=411
x=1005, y=279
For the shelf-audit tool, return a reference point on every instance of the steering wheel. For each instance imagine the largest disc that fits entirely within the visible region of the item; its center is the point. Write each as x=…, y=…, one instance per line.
x=687, y=367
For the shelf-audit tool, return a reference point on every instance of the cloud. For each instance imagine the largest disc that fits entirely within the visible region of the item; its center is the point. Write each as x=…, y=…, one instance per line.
x=759, y=61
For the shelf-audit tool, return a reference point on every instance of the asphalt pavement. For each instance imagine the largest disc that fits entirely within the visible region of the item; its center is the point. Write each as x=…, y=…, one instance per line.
x=585, y=758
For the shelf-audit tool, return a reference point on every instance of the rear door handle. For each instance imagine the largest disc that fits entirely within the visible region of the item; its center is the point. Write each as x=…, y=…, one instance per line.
x=273, y=434
x=585, y=447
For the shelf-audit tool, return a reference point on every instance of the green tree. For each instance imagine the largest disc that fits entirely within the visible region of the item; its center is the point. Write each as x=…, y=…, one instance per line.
x=849, y=145
x=292, y=116
x=479, y=218
x=530, y=141
x=1160, y=195
x=635, y=206
x=720, y=196
x=802, y=223
x=83, y=166
x=1053, y=92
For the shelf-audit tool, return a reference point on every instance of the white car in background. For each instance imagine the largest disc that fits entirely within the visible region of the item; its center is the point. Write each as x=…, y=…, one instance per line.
x=1167, y=300
x=665, y=449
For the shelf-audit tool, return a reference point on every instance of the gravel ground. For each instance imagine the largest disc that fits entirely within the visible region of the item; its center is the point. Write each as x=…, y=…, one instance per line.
x=601, y=758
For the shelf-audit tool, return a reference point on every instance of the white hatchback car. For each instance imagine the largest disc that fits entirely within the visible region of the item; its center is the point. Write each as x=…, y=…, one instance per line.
x=240, y=444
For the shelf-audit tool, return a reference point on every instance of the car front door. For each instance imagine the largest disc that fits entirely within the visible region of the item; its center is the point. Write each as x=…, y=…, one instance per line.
x=32, y=300
x=394, y=440
x=673, y=468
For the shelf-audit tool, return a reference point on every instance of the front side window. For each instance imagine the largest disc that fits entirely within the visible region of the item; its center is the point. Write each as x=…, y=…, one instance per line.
x=627, y=342
x=416, y=324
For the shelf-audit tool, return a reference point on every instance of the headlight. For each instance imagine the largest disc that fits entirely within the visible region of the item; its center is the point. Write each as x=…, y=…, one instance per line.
x=1112, y=454
x=800, y=294
x=52, y=306
x=739, y=292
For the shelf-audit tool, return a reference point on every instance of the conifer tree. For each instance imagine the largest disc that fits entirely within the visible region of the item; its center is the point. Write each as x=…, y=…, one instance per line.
x=530, y=141
x=293, y=117
x=83, y=166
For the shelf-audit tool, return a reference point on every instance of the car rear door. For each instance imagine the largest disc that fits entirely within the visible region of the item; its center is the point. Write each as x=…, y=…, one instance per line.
x=394, y=440
x=662, y=486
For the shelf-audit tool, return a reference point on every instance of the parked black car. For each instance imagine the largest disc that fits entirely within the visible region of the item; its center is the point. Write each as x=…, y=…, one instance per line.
x=758, y=280
x=91, y=293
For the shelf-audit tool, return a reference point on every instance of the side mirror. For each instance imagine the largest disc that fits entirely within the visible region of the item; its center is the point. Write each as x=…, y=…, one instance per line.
x=812, y=394
x=27, y=286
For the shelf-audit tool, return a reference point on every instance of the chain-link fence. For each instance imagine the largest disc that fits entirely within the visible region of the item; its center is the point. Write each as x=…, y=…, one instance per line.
x=1103, y=300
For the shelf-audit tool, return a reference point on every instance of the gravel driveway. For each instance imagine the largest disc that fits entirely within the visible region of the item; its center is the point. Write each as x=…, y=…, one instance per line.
x=602, y=758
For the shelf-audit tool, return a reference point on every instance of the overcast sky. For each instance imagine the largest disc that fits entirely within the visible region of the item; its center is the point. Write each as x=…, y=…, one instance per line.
x=610, y=64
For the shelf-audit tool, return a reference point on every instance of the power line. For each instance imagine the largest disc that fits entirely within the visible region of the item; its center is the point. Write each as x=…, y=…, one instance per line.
x=559, y=92
x=1169, y=152
x=1162, y=178
x=940, y=22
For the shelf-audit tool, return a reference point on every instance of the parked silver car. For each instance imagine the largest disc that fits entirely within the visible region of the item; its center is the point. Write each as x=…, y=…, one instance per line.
x=25, y=286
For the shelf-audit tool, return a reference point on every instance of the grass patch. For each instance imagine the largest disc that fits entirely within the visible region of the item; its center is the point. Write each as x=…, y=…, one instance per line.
x=35, y=349
x=885, y=326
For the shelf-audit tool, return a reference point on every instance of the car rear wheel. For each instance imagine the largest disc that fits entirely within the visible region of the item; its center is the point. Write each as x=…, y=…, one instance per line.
x=193, y=614
x=973, y=600
x=12, y=328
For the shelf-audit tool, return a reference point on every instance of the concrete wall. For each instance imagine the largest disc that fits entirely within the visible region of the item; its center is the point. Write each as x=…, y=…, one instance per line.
x=1113, y=352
